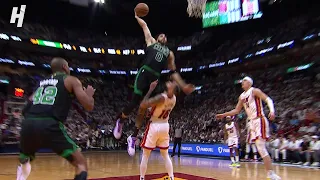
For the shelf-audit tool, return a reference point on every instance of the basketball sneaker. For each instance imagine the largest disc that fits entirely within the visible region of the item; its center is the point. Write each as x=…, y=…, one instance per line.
x=131, y=145
x=315, y=164
x=273, y=176
x=232, y=164
x=117, y=131
x=237, y=164
x=23, y=171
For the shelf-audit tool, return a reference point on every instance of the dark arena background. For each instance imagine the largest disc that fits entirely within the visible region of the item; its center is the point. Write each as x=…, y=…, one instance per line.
x=274, y=42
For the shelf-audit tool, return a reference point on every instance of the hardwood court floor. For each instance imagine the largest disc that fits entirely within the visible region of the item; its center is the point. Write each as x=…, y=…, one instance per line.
x=115, y=164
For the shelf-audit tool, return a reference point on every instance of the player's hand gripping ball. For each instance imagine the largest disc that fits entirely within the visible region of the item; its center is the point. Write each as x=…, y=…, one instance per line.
x=141, y=10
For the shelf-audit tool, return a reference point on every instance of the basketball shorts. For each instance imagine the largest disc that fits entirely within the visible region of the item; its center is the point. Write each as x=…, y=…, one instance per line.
x=259, y=128
x=233, y=142
x=156, y=135
x=143, y=80
x=45, y=133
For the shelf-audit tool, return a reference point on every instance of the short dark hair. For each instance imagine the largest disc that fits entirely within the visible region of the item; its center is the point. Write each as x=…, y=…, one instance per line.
x=57, y=64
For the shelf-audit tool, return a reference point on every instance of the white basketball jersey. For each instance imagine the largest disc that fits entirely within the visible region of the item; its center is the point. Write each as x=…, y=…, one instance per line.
x=252, y=105
x=231, y=130
x=162, y=111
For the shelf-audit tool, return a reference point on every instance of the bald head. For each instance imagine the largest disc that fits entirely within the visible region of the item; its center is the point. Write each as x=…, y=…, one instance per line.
x=59, y=65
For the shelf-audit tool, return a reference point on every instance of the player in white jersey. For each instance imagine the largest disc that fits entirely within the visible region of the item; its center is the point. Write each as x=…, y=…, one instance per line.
x=250, y=99
x=157, y=131
x=231, y=136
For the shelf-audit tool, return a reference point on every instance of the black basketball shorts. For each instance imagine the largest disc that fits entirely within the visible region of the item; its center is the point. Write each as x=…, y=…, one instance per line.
x=42, y=133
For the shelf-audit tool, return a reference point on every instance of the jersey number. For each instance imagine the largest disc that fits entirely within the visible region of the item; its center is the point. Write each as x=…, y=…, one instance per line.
x=164, y=114
x=247, y=102
x=159, y=56
x=45, y=96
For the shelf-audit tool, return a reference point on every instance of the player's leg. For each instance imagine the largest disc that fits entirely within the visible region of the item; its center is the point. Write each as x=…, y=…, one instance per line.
x=254, y=151
x=135, y=101
x=246, y=157
x=139, y=86
x=260, y=132
x=167, y=161
x=144, y=163
x=235, y=146
x=232, y=157
x=63, y=145
x=276, y=154
x=179, y=146
x=163, y=144
x=175, y=143
x=29, y=142
x=148, y=143
x=230, y=145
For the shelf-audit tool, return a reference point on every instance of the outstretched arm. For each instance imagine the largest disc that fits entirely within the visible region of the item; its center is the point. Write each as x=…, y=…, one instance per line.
x=187, y=88
x=257, y=92
x=149, y=102
x=232, y=112
x=147, y=34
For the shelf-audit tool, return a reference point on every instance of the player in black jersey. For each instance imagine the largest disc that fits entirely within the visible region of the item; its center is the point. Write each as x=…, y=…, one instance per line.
x=158, y=57
x=45, y=113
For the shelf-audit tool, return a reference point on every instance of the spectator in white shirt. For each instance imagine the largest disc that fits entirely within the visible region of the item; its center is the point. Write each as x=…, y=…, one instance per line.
x=282, y=149
x=274, y=146
x=294, y=151
x=312, y=128
x=314, y=152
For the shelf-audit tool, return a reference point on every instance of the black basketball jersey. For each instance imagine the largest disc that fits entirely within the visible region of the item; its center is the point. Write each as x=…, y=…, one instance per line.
x=51, y=99
x=157, y=57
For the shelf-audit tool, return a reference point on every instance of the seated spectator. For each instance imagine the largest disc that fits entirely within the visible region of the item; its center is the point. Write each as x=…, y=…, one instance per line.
x=294, y=151
x=314, y=152
x=282, y=149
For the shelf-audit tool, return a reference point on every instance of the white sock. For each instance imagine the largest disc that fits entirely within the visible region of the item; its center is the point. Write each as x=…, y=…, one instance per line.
x=168, y=163
x=232, y=159
x=270, y=173
x=237, y=158
x=246, y=156
x=255, y=157
x=144, y=163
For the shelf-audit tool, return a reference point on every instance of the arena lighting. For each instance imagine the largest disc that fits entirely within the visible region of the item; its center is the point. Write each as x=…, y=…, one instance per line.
x=99, y=1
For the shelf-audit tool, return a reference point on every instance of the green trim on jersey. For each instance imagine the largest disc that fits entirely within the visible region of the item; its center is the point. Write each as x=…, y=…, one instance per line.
x=135, y=88
x=67, y=152
x=24, y=156
x=151, y=70
x=147, y=68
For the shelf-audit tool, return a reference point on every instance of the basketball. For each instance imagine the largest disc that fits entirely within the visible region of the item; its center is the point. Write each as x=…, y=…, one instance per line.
x=141, y=9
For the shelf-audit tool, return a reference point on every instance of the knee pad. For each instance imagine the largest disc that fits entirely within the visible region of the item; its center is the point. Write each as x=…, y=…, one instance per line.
x=261, y=146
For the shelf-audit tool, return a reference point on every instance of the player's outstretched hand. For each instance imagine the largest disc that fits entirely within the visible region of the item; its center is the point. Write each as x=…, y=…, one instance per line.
x=89, y=90
x=135, y=14
x=188, y=89
x=220, y=116
x=153, y=85
x=271, y=116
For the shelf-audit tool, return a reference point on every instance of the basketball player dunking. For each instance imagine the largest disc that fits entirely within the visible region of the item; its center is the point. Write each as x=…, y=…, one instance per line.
x=158, y=57
x=157, y=131
x=231, y=136
x=250, y=99
x=45, y=113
